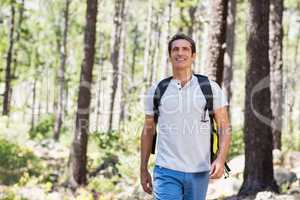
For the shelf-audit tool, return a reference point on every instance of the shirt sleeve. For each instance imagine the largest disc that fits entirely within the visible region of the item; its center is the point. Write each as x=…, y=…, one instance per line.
x=148, y=101
x=220, y=99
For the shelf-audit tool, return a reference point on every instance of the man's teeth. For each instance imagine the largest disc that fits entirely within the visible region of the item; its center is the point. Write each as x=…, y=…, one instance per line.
x=180, y=59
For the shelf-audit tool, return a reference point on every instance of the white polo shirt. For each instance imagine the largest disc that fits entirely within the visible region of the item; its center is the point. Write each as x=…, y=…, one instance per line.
x=183, y=141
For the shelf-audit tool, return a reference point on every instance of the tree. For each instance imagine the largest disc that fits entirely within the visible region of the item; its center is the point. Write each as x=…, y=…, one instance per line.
x=229, y=53
x=9, y=58
x=276, y=63
x=216, y=40
x=78, y=157
x=115, y=55
x=147, y=44
x=61, y=74
x=258, y=172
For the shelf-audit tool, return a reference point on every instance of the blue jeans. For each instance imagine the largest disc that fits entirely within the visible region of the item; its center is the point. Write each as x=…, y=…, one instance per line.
x=175, y=185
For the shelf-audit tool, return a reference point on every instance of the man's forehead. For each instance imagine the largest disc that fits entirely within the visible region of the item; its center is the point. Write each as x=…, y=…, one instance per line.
x=181, y=43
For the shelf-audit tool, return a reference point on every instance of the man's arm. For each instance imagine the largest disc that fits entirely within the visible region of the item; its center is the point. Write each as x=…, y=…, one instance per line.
x=146, y=146
x=222, y=119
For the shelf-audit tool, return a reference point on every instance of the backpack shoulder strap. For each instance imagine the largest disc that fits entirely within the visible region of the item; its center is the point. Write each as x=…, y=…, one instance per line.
x=207, y=92
x=159, y=92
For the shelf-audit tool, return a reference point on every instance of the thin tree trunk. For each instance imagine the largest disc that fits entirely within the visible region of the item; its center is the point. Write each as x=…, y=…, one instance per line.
x=123, y=70
x=165, y=58
x=78, y=157
x=229, y=54
x=258, y=172
x=147, y=45
x=47, y=89
x=18, y=37
x=276, y=63
x=33, y=104
x=192, y=13
x=134, y=51
x=9, y=57
x=216, y=40
x=156, y=50
x=61, y=74
x=118, y=17
x=291, y=86
x=99, y=92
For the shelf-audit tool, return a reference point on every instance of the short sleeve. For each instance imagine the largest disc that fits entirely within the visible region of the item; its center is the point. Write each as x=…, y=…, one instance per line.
x=148, y=101
x=220, y=99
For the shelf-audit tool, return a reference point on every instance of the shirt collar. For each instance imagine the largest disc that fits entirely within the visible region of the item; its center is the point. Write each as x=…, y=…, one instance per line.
x=192, y=81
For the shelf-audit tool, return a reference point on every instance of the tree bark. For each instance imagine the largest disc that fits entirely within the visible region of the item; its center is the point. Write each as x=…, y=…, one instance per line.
x=32, y=124
x=61, y=74
x=118, y=17
x=168, y=31
x=100, y=76
x=258, y=172
x=229, y=53
x=155, y=49
x=276, y=63
x=134, y=51
x=9, y=57
x=18, y=37
x=123, y=70
x=78, y=157
x=147, y=45
x=216, y=40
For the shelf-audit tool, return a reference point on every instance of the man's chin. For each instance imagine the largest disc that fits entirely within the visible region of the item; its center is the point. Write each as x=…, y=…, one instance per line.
x=181, y=66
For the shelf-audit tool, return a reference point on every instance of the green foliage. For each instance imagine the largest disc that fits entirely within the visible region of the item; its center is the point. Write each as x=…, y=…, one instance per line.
x=237, y=143
x=15, y=161
x=43, y=129
x=109, y=141
x=102, y=184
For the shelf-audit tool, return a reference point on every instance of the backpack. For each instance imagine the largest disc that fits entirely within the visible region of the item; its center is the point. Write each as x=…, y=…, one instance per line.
x=207, y=91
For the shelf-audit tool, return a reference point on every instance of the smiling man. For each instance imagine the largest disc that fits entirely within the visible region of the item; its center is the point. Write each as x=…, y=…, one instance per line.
x=183, y=159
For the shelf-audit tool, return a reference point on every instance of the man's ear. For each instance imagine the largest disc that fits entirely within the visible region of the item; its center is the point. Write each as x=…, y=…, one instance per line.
x=194, y=56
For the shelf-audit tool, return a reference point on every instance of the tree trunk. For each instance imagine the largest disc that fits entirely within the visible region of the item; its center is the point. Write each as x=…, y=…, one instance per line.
x=291, y=86
x=229, y=54
x=7, y=90
x=147, y=45
x=18, y=37
x=123, y=70
x=216, y=40
x=155, y=50
x=164, y=62
x=61, y=74
x=276, y=63
x=78, y=157
x=100, y=76
x=258, y=172
x=134, y=51
x=33, y=104
x=118, y=17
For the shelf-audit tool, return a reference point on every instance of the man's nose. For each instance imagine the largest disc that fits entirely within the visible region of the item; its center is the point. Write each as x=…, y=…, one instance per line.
x=180, y=51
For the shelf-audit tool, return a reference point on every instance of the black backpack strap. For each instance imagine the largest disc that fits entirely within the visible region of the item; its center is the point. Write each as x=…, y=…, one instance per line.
x=159, y=92
x=207, y=92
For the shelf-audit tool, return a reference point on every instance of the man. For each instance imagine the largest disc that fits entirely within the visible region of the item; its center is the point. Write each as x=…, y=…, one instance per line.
x=182, y=167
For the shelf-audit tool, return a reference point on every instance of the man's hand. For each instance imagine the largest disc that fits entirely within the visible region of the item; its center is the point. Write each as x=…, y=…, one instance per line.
x=146, y=181
x=217, y=169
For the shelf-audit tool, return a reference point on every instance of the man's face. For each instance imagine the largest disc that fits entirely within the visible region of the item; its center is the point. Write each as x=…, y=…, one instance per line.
x=181, y=54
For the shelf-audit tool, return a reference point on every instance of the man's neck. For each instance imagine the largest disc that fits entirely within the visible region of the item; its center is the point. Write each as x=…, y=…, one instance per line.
x=183, y=76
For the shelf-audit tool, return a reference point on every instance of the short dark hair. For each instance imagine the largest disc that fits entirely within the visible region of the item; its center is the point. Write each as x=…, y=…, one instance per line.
x=179, y=36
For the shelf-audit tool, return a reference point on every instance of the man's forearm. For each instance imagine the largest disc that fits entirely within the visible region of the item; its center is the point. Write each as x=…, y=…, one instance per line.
x=146, y=145
x=225, y=139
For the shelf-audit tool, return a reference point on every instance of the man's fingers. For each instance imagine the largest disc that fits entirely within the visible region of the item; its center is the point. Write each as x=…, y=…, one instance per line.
x=213, y=169
x=147, y=188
